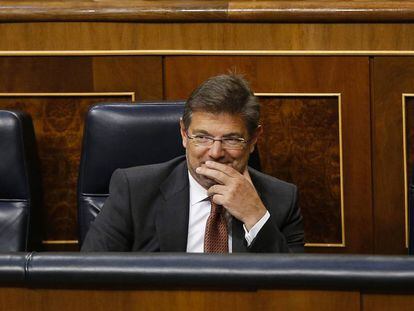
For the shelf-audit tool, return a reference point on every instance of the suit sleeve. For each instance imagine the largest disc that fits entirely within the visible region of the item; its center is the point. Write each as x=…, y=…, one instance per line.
x=112, y=228
x=285, y=238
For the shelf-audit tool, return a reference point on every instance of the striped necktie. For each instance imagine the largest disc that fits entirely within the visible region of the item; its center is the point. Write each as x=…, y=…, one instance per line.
x=216, y=239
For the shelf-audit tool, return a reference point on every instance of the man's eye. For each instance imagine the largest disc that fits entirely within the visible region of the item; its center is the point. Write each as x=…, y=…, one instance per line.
x=202, y=138
x=232, y=141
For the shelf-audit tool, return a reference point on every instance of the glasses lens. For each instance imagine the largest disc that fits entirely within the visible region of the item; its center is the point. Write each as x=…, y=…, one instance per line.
x=233, y=144
x=203, y=140
x=208, y=141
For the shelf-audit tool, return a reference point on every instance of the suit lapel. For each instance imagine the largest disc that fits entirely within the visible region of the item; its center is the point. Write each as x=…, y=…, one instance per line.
x=172, y=212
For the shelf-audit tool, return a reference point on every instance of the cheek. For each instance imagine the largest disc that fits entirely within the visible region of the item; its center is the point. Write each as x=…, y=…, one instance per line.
x=194, y=154
x=240, y=161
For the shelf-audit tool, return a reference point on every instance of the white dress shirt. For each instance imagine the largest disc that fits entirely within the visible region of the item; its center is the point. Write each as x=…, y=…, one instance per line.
x=200, y=208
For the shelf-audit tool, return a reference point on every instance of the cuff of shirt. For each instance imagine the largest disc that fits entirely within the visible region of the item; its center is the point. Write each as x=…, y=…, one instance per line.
x=251, y=235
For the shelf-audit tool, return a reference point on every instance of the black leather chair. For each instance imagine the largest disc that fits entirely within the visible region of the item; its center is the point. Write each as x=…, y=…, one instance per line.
x=123, y=135
x=120, y=135
x=20, y=190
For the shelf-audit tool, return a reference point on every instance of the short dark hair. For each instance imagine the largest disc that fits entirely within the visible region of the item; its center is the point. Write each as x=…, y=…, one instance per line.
x=224, y=94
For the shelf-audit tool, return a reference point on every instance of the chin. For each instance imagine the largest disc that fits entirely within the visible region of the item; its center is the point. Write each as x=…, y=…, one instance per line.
x=206, y=182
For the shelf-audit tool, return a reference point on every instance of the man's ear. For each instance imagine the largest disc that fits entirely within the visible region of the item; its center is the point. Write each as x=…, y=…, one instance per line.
x=256, y=134
x=183, y=134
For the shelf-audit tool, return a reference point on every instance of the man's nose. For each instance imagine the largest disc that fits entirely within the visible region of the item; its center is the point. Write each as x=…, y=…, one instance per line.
x=216, y=151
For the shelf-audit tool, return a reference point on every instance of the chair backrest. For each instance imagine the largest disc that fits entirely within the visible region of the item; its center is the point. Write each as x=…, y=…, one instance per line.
x=119, y=135
x=20, y=189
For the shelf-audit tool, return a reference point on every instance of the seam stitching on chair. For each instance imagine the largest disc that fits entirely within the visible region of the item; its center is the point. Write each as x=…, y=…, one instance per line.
x=28, y=261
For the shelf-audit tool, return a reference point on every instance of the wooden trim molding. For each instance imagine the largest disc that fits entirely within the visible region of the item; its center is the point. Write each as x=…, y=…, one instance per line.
x=405, y=165
x=74, y=94
x=24, y=53
x=208, y=11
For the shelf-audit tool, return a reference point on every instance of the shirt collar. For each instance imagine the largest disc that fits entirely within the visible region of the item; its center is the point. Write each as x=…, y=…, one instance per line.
x=197, y=192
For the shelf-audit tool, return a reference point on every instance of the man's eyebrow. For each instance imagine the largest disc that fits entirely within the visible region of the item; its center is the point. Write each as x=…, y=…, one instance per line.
x=233, y=134
x=201, y=132
x=204, y=132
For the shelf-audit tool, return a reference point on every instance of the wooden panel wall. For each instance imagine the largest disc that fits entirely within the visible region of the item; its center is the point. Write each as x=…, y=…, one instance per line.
x=38, y=85
x=49, y=36
x=384, y=302
x=374, y=217
x=66, y=299
x=301, y=144
x=370, y=88
x=272, y=299
x=392, y=77
x=329, y=101
x=58, y=123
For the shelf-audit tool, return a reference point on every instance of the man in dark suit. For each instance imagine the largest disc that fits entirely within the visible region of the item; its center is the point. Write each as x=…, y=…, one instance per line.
x=209, y=200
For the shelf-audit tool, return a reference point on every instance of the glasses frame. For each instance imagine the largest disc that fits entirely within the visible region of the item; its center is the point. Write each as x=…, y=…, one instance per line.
x=222, y=140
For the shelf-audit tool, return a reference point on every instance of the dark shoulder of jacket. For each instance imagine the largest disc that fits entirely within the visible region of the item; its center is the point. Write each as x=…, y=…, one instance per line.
x=153, y=172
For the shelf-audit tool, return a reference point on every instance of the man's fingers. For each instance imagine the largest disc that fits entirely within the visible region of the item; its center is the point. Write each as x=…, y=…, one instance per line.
x=216, y=189
x=219, y=199
x=228, y=170
x=218, y=176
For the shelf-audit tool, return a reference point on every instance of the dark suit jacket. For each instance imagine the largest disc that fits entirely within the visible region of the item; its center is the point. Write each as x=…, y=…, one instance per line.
x=148, y=210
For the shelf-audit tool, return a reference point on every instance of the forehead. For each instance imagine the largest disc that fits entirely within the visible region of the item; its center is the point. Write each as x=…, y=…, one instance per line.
x=217, y=123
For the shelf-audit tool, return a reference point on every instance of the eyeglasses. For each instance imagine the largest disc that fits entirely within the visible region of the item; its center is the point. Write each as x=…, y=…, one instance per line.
x=232, y=143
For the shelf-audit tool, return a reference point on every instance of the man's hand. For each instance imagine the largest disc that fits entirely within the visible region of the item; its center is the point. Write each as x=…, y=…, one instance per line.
x=234, y=191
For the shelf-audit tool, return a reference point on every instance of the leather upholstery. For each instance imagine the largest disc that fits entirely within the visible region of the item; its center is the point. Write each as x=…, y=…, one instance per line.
x=119, y=135
x=19, y=182
x=13, y=267
x=241, y=271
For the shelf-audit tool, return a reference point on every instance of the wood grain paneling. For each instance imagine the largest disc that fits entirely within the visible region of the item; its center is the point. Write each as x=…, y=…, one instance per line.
x=66, y=299
x=58, y=120
x=45, y=74
x=58, y=123
x=213, y=299
x=347, y=75
x=301, y=300
x=301, y=145
x=142, y=75
x=387, y=302
x=391, y=78
x=205, y=36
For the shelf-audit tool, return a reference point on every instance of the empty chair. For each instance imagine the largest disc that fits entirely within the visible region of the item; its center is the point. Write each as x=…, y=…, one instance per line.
x=120, y=136
x=20, y=189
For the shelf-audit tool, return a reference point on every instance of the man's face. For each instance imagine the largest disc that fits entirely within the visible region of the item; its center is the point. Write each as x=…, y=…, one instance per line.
x=221, y=125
